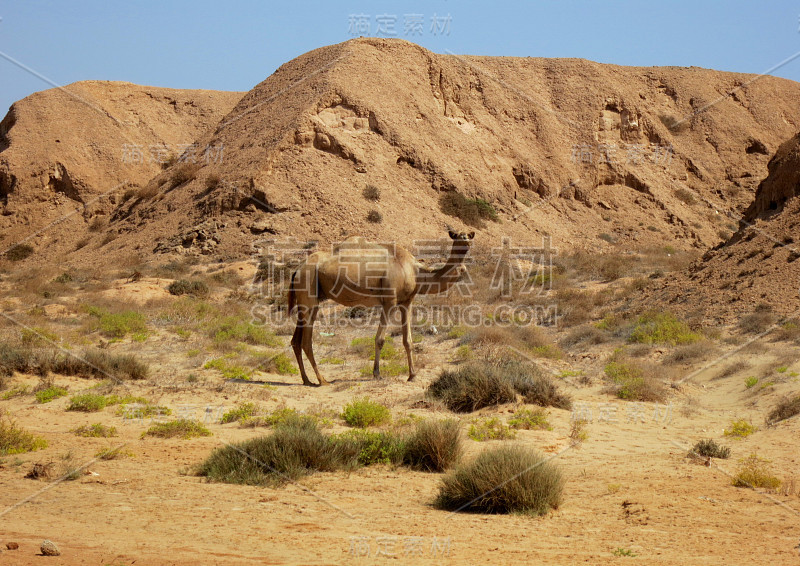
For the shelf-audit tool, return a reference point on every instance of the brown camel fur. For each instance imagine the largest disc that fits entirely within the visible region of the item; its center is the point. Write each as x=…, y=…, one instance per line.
x=361, y=273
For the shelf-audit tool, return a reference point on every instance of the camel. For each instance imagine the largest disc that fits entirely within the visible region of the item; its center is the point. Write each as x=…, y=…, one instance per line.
x=361, y=273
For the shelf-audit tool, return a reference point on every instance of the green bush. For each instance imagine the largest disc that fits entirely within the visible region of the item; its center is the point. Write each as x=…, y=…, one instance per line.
x=633, y=380
x=47, y=395
x=530, y=420
x=181, y=428
x=506, y=479
x=490, y=429
x=16, y=440
x=240, y=413
x=96, y=430
x=755, y=472
x=362, y=413
x=740, y=428
x=374, y=447
x=88, y=403
x=662, y=328
x=236, y=329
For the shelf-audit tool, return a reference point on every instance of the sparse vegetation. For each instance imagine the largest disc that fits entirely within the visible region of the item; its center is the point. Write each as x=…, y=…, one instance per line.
x=375, y=216
x=88, y=403
x=506, y=479
x=490, y=429
x=527, y=419
x=577, y=432
x=785, y=409
x=482, y=383
x=119, y=324
x=471, y=211
x=435, y=445
x=750, y=382
x=710, y=449
x=371, y=192
x=662, y=328
x=633, y=380
x=755, y=472
x=363, y=412
x=686, y=196
x=181, y=428
x=740, y=429
x=50, y=393
x=759, y=320
x=16, y=440
x=244, y=411
x=188, y=287
x=19, y=252
x=96, y=430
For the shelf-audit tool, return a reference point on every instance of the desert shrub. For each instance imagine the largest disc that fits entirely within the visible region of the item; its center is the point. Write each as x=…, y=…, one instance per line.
x=181, y=428
x=578, y=432
x=633, y=380
x=481, y=383
x=292, y=451
x=19, y=252
x=373, y=447
x=375, y=217
x=212, y=182
x=16, y=440
x=242, y=412
x=535, y=386
x=506, y=479
x=587, y=335
x=119, y=324
x=755, y=472
x=758, y=321
x=50, y=393
x=183, y=173
x=687, y=353
x=751, y=381
x=472, y=386
x=96, y=430
x=740, y=428
x=97, y=224
x=228, y=369
x=113, y=453
x=785, y=409
x=490, y=429
x=140, y=408
x=233, y=328
x=674, y=124
x=662, y=328
x=366, y=346
x=371, y=192
x=15, y=392
x=710, y=449
x=21, y=360
x=435, y=445
x=471, y=211
x=527, y=419
x=363, y=412
x=188, y=287
x=88, y=403
x=684, y=195
x=279, y=363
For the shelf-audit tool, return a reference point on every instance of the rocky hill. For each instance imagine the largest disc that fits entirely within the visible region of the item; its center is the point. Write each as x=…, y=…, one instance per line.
x=77, y=149
x=598, y=156
x=759, y=264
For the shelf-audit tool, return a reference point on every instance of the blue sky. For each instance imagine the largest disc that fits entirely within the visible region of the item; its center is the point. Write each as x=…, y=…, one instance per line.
x=235, y=45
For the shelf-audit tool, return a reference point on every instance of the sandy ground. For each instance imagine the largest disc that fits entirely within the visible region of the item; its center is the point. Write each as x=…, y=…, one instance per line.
x=629, y=486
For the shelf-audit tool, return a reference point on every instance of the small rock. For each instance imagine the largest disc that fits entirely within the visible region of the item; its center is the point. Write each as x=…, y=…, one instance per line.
x=49, y=548
x=12, y=545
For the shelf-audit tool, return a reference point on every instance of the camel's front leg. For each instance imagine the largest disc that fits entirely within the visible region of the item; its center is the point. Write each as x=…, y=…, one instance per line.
x=407, y=342
x=376, y=369
x=297, y=343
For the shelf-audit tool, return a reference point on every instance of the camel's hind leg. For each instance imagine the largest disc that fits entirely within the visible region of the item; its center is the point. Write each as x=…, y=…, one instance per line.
x=308, y=334
x=376, y=369
x=297, y=341
x=407, y=343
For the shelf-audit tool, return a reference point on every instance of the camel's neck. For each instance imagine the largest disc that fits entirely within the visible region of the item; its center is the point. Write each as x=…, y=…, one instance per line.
x=434, y=281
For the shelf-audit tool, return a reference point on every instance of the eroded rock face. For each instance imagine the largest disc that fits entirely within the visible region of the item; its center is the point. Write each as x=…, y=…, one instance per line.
x=782, y=183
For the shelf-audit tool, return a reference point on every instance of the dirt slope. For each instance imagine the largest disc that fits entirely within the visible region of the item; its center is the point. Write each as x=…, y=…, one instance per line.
x=306, y=141
x=61, y=149
x=759, y=263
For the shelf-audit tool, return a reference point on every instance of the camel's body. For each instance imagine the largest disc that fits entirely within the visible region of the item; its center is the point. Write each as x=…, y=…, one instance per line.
x=361, y=273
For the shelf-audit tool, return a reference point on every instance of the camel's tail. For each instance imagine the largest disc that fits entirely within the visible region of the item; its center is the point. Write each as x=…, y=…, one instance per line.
x=292, y=299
